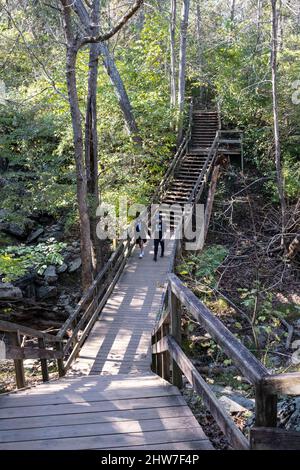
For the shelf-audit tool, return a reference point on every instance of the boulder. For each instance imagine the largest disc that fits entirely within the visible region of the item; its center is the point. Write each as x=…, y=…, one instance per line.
x=74, y=265
x=289, y=414
x=62, y=268
x=35, y=235
x=50, y=275
x=16, y=230
x=47, y=292
x=9, y=292
x=27, y=284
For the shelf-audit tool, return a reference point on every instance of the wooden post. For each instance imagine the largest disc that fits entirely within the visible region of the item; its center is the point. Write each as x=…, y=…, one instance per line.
x=44, y=364
x=19, y=366
x=175, y=316
x=159, y=364
x=265, y=408
x=165, y=355
x=60, y=362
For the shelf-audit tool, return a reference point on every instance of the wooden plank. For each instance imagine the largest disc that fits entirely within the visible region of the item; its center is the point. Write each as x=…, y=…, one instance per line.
x=96, y=429
x=274, y=439
x=288, y=384
x=164, y=400
x=231, y=431
x=109, y=442
x=92, y=417
x=89, y=396
x=251, y=367
x=15, y=352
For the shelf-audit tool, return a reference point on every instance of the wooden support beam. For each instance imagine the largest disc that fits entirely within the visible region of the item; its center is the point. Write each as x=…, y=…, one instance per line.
x=175, y=315
x=19, y=366
x=265, y=408
x=44, y=364
x=274, y=439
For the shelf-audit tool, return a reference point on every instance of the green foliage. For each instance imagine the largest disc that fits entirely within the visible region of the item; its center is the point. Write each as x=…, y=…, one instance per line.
x=204, y=265
x=15, y=261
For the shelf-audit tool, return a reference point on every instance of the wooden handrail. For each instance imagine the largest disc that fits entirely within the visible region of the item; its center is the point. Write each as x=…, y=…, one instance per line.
x=267, y=386
x=226, y=424
x=285, y=384
x=251, y=367
x=6, y=326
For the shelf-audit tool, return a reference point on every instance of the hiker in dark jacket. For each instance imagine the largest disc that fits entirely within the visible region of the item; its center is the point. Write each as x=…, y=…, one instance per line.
x=140, y=233
x=159, y=237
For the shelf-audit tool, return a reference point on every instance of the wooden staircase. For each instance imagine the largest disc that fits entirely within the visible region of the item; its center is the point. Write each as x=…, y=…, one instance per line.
x=194, y=164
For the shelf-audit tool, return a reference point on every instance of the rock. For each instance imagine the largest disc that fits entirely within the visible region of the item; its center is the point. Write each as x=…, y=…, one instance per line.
x=262, y=339
x=16, y=230
x=62, y=268
x=234, y=396
x=47, y=292
x=64, y=300
x=27, y=284
x=34, y=235
x=289, y=414
x=230, y=405
x=74, y=265
x=50, y=275
x=9, y=292
x=69, y=309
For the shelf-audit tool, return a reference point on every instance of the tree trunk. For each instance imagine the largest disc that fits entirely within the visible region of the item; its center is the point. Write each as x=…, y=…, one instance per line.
x=199, y=35
x=120, y=92
x=172, y=51
x=182, y=64
x=232, y=13
x=91, y=145
x=280, y=183
x=85, y=239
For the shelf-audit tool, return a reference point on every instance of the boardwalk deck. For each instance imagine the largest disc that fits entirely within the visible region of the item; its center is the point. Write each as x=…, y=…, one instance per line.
x=111, y=400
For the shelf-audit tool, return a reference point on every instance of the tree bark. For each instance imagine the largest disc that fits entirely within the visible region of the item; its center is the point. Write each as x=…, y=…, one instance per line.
x=120, y=92
x=232, y=13
x=173, y=14
x=182, y=64
x=280, y=182
x=85, y=239
x=199, y=35
x=91, y=144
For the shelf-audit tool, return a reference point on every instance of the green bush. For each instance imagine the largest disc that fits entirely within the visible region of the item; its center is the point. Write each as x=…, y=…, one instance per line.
x=16, y=261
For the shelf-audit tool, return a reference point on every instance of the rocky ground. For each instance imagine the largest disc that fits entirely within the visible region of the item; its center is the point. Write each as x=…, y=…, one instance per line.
x=41, y=298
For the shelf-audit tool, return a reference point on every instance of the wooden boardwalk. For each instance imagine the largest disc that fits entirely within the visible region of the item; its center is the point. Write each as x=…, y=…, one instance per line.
x=111, y=399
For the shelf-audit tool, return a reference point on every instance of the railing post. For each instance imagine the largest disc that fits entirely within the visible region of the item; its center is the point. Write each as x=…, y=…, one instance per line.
x=19, y=366
x=60, y=361
x=165, y=355
x=175, y=315
x=44, y=365
x=265, y=408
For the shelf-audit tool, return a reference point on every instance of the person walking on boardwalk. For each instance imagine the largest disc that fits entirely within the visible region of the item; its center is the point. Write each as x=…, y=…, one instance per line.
x=159, y=237
x=141, y=233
